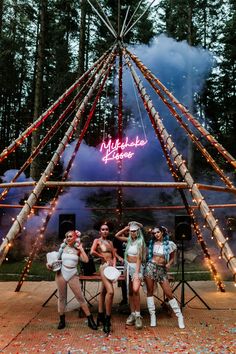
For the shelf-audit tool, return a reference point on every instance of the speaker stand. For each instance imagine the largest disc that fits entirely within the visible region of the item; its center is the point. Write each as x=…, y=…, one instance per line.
x=54, y=293
x=183, y=282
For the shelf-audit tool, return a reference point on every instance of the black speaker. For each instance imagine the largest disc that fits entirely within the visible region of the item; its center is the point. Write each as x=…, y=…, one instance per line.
x=66, y=223
x=183, y=229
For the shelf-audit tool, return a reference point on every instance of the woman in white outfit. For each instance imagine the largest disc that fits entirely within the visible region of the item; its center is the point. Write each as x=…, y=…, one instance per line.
x=69, y=253
x=135, y=255
x=161, y=253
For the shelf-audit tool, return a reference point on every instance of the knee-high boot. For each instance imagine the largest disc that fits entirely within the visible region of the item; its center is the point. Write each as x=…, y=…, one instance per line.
x=175, y=307
x=151, y=309
x=62, y=322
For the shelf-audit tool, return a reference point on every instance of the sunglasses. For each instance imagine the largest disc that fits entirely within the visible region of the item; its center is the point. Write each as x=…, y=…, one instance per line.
x=104, y=229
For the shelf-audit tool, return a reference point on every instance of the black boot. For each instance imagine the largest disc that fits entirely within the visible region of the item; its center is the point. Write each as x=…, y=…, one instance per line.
x=107, y=324
x=100, y=318
x=91, y=322
x=62, y=322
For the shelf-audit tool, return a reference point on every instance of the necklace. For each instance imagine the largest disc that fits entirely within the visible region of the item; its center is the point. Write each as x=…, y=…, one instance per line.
x=105, y=245
x=69, y=249
x=104, y=241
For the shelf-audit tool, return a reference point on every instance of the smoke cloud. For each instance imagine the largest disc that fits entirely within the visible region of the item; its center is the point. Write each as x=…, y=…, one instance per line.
x=183, y=70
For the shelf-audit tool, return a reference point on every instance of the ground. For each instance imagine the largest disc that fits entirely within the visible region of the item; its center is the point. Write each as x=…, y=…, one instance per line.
x=28, y=327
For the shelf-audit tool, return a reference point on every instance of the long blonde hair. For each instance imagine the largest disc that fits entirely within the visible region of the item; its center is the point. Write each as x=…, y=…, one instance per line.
x=140, y=244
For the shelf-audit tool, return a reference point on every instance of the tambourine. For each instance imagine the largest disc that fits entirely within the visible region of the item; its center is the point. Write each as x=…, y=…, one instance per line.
x=112, y=273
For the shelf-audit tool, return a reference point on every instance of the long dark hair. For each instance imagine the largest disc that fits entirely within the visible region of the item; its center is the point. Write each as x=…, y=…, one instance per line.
x=165, y=242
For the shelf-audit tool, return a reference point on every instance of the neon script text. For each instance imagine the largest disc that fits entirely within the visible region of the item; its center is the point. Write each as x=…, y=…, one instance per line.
x=117, y=150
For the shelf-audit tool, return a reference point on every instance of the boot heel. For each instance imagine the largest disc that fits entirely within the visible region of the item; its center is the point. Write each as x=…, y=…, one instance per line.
x=91, y=323
x=175, y=307
x=107, y=325
x=100, y=319
x=152, y=312
x=62, y=322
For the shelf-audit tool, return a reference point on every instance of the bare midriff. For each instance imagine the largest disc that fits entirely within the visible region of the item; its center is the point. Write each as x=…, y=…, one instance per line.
x=132, y=259
x=159, y=260
x=107, y=256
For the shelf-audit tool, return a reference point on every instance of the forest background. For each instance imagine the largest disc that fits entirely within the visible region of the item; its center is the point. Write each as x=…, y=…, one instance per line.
x=45, y=45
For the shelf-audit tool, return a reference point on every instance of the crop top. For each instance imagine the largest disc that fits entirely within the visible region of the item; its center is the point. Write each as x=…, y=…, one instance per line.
x=158, y=249
x=70, y=259
x=133, y=249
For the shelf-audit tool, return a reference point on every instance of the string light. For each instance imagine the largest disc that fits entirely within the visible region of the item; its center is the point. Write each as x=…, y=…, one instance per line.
x=152, y=79
x=38, y=239
x=170, y=147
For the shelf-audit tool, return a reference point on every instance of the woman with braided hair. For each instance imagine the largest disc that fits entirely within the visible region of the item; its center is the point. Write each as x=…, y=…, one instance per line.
x=71, y=250
x=161, y=253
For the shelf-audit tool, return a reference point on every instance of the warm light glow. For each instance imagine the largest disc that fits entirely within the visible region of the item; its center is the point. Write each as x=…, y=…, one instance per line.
x=117, y=150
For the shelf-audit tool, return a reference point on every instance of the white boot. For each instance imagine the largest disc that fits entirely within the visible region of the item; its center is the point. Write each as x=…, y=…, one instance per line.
x=151, y=309
x=175, y=307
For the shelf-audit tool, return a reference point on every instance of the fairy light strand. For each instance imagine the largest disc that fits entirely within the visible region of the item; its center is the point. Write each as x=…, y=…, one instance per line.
x=39, y=238
x=61, y=147
x=145, y=71
x=204, y=209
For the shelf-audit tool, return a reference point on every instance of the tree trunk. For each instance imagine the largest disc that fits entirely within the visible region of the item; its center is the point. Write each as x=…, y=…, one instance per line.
x=1, y=16
x=82, y=38
x=82, y=49
x=35, y=166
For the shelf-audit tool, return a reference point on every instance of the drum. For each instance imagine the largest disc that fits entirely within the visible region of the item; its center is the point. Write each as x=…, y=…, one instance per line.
x=56, y=265
x=53, y=261
x=111, y=273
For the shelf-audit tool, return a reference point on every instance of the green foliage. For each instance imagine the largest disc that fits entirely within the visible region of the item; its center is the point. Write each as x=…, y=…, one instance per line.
x=12, y=270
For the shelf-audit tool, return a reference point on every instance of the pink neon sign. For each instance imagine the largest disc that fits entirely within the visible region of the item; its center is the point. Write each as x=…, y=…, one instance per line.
x=117, y=150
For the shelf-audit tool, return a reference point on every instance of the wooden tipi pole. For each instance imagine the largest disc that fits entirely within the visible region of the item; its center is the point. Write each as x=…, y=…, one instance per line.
x=48, y=112
x=30, y=202
x=190, y=212
x=221, y=241
x=39, y=237
x=148, y=74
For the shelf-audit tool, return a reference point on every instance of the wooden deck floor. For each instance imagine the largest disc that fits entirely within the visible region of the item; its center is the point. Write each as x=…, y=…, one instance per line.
x=28, y=327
